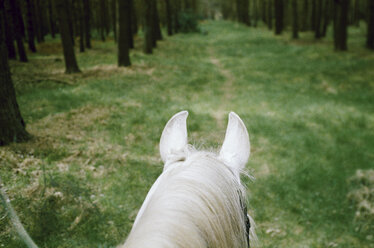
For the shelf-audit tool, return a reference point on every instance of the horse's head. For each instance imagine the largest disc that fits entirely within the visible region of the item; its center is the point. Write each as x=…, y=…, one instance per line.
x=235, y=150
x=198, y=200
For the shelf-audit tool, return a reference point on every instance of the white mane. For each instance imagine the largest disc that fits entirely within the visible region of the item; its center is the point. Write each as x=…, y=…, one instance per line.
x=197, y=202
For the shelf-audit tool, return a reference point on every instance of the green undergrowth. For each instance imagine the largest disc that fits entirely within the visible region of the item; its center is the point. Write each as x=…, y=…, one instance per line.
x=94, y=154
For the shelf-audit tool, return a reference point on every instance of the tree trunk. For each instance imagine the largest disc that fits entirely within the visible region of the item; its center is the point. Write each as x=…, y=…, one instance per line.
x=255, y=13
x=278, y=4
x=156, y=22
x=18, y=29
x=270, y=14
x=295, y=20
x=130, y=19
x=148, y=33
x=340, y=24
x=12, y=126
x=242, y=8
x=30, y=25
x=326, y=18
x=52, y=23
x=124, y=15
x=313, y=15
x=67, y=45
x=168, y=17
x=9, y=38
x=87, y=23
x=305, y=19
x=370, y=32
x=38, y=21
x=101, y=13
x=113, y=6
x=318, y=19
x=81, y=25
x=134, y=20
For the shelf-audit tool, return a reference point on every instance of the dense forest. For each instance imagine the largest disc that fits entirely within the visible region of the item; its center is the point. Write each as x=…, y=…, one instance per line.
x=77, y=22
x=92, y=79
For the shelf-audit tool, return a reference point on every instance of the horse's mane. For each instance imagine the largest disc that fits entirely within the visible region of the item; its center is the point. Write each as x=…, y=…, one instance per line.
x=196, y=202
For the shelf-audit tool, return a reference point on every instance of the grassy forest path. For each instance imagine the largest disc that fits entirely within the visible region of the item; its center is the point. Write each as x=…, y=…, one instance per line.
x=94, y=156
x=226, y=88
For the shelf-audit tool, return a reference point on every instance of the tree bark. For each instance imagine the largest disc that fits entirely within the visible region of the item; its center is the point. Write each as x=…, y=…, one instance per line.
x=113, y=6
x=305, y=23
x=295, y=20
x=9, y=38
x=67, y=44
x=18, y=29
x=124, y=15
x=278, y=16
x=318, y=19
x=30, y=25
x=51, y=20
x=169, y=23
x=148, y=26
x=81, y=25
x=130, y=20
x=87, y=23
x=270, y=14
x=370, y=32
x=340, y=24
x=242, y=8
x=12, y=125
x=156, y=22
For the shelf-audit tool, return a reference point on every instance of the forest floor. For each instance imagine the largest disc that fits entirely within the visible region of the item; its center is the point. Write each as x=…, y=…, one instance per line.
x=94, y=154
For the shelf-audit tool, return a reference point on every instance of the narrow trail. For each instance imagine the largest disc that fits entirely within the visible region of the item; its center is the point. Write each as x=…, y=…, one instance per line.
x=227, y=89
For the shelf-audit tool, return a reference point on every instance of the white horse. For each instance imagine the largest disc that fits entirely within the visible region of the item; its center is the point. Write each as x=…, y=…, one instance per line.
x=198, y=201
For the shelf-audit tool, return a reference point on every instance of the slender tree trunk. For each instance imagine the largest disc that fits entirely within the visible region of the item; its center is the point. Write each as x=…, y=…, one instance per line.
x=148, y=33
x=67, y=45
x=270, y=14
x=318, y=19
x=130, y=19
x=87, y=22
x=168, y=17
x=18, y=26
x=278, y=16
x=30, y=26
x=313, y=15
x=295, y=20
x=326, y=18
x=255, y=13
x=134, y=20
x=305, y=19
x=113, y=5
x=101, y=12
x=52, y=23
x=370, y=32
x=124, y=16
x=156, y=22
x=242, y=8
x=340, y=24
x=38, y=22
x=80, y=16
x=9, y=38
x=12, y=126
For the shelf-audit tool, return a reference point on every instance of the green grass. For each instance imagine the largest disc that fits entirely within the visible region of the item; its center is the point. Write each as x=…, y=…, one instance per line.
x=94, y=156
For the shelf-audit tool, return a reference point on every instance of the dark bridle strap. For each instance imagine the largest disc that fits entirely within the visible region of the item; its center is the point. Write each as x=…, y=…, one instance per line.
x=246, y=218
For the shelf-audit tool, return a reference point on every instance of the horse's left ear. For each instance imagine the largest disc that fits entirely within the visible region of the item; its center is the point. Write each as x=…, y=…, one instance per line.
x=235, y=150
x=174, y=136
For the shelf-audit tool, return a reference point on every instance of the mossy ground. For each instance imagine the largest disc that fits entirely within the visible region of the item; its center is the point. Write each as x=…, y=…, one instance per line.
x=309, y=110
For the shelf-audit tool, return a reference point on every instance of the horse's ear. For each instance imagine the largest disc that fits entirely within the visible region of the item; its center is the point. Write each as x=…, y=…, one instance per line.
x=174, y=136
x=236, y=147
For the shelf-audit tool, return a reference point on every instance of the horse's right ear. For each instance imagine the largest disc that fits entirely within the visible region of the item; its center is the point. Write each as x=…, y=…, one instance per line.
x=174, y=136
